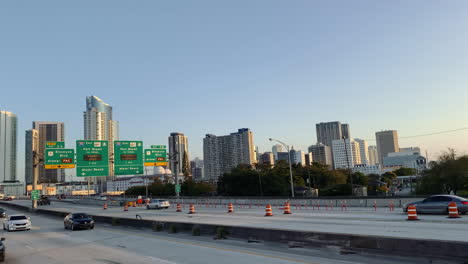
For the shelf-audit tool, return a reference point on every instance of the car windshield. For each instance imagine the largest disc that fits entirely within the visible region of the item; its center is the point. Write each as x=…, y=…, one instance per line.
x=18, y=217
x=80, y=216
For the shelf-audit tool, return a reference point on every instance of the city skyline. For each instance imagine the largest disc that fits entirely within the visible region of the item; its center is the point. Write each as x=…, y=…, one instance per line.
x=397, y=72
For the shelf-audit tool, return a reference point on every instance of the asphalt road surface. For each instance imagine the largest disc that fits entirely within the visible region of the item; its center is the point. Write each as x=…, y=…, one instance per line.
x=361, y=221
x=49, y=243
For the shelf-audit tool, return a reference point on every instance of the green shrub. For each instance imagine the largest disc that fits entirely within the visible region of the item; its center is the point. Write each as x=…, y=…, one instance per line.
x=157, y=227
x=221, y=233
x=196, y=231
x=173, y=228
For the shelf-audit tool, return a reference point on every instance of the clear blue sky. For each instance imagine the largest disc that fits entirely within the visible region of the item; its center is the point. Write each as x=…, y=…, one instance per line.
x=276, y=67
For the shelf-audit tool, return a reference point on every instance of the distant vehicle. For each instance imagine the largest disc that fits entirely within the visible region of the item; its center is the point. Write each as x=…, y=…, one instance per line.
x=2, y=213
x=44, y=200
x=8, y=198
x=103, y=198
x=17, y=222
x=2, y=249
x=438, y=204
x=158, y=204
x=78, y=221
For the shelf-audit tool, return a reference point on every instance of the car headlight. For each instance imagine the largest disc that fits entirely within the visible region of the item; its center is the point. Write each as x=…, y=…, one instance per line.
x=92, y=222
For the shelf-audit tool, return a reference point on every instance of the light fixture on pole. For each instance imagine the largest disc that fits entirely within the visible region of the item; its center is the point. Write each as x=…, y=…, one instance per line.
x=290, y=167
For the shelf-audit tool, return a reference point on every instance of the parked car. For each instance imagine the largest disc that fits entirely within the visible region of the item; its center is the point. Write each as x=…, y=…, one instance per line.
x=8, y=198
x=78, y=221
x=158, y=204
x=2, y=249
x=17, y=222
x=44, y=200
x=2, y=213
x=438, y=204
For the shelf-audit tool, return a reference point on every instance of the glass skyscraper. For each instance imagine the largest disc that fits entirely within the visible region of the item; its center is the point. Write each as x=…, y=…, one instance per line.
x=8, y=138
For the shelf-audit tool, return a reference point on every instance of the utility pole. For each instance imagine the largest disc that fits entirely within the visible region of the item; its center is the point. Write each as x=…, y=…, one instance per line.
x=36, y=161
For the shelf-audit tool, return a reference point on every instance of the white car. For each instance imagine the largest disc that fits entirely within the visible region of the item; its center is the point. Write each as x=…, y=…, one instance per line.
x=17, y=222
x=158, y=204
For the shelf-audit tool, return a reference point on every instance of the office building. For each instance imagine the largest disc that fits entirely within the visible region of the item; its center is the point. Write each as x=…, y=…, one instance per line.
x=100, y=125
x=363, y=150
x=345, y=156
x=308, y=159
x=31, y=147
x=413, y=161
x=223, y=153
x=387, y=142
x=283, y=156
x=277, y=148
x=407, y=151
x=178, y=151
x=327, y=132
x=321, y=154
x=49, y=131
x=8, y=143
x=297, y=156
x=373, y=155
x=197, y=169
x=267, y=158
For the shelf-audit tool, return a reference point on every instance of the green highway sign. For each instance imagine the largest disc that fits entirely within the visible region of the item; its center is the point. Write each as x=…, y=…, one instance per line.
x=92, y=158
x=54, y=144
x=158, y=146
x=35, y=194
x=177, y=188
x=128, y=157
x=156, y=156
x=58, y=158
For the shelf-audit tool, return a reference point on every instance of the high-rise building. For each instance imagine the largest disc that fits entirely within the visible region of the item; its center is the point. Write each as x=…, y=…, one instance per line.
x=297, y=156
x=267, y=158
x=345, y=156
x=178, y=148
x=8, y=143
x=308, y=159
x=387, y=142
x=49, y=131
x=321, y=154
x=100, y=125
x=277, y=148
x=345, y=132
x=327, y=132
x=197, y=169
x=31, y=147
x=363, y=149
x=373, y=155
x=223, y=153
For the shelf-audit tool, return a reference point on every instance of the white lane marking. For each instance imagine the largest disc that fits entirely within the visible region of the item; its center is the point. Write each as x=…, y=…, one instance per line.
x=28, y=246
x=160, y=261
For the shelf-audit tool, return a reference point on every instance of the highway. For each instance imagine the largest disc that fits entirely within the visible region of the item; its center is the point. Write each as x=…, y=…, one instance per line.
x=49, y=243
x=361, y=221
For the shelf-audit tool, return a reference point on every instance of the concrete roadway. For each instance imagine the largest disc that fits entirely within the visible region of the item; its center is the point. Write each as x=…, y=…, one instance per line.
x=363, y=221
x=49, y=243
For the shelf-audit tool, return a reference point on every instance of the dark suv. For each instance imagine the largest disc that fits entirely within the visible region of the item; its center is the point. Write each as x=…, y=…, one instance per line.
x=44, y=200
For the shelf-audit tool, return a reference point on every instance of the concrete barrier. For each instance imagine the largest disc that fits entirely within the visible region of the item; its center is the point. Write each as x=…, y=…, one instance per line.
x=359, y=243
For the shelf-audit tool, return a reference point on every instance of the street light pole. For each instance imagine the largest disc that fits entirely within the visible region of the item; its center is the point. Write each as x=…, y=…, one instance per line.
x=290, y=167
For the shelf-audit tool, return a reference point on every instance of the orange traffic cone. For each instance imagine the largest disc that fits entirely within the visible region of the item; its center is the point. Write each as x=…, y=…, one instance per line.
x=104, y=207
x=230, y=208
x=453, y=210
x=125, y=208
x=287, y=208
x=191, y=209
x=268, y=210
x=179, y=208
x=412, y=213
